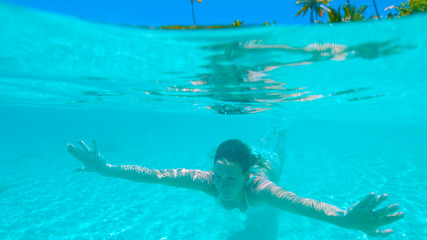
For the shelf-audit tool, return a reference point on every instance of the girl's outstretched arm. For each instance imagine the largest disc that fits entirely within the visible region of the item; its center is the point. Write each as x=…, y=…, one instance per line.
x=183, y=178
x=361, y=216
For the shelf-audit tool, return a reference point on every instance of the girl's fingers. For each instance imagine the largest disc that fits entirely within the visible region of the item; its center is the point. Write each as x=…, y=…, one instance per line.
x=95, y=147
x=377, y=201
x=387, y=210
x=77, y=153
x=84, y=146
x=391, y=218
x=382, y=233
x=385, y=233
x=365, y=200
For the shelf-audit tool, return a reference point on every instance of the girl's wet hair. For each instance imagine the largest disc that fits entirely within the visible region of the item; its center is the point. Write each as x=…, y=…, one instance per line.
x=236, y=151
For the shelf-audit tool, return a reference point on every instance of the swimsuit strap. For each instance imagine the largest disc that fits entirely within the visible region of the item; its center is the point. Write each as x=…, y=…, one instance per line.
x=250, y=180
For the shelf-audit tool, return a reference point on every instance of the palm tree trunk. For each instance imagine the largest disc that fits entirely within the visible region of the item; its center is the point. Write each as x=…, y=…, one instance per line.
x=315, y=14
x=312, y=14
x=376, y=9
x=192, y=9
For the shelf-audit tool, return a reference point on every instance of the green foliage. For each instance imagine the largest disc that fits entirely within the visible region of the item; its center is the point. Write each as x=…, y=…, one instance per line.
x=316, y=8
x=334, y=15
x=237, y=23
x=409, y=7
x=351, y=13
x=268, y=24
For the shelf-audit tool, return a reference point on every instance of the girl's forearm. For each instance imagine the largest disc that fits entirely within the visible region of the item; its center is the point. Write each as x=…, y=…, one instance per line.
x=182, y=178
x=311, y=208
x=317, y=210
x=132, y=172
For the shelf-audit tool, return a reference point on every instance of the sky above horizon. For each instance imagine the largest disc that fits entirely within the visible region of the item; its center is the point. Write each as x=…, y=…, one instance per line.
x=178, y=12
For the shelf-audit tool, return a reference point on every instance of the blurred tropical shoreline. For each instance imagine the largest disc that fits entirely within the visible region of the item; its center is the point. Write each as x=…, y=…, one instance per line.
x=317, y=9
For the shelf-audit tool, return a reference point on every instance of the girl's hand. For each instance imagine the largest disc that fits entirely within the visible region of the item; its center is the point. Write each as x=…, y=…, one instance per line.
x=93, y=160
x=363, y=217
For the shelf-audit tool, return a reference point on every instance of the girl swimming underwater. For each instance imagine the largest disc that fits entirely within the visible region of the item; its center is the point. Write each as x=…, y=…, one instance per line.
x=242, y=178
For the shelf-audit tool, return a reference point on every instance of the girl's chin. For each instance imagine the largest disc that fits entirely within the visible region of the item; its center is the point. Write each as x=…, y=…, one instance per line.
x=226, y=198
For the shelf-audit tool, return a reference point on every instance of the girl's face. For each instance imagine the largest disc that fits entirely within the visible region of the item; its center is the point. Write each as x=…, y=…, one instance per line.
x=229, y=180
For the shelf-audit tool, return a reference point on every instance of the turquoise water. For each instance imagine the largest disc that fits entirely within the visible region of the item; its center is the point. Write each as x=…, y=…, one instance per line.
x=352, y=98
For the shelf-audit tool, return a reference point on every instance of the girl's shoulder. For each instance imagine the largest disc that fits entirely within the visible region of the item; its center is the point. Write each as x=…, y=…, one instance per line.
x=254, y=189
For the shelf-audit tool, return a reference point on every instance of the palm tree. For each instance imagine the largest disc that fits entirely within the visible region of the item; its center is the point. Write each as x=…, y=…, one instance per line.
x=192, y=9
x=376, y=9
x=315, y=7
x=334, y=15
x=353, y=13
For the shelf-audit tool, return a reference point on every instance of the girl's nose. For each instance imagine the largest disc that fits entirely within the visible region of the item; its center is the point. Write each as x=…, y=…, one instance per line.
x=225, y=185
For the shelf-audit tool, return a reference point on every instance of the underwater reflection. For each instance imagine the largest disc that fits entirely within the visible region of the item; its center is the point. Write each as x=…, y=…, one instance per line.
x=317, y=52
x=240, y=74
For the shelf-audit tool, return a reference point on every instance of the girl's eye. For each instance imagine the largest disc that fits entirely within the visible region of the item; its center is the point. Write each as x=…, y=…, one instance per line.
x=216, y=176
